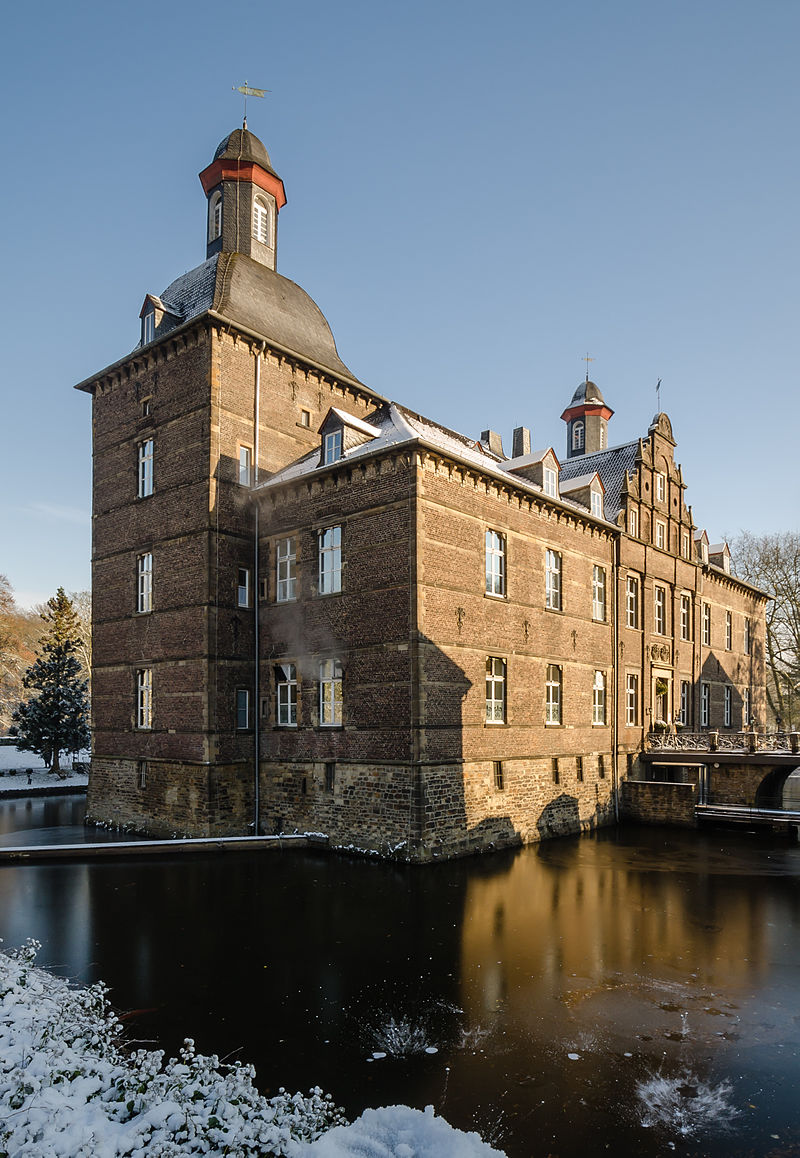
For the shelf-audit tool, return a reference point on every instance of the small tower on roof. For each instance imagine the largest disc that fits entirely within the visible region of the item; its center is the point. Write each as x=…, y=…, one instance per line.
x=587, y=420
x=245, y=195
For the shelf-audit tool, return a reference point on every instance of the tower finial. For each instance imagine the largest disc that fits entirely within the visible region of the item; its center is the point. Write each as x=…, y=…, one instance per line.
x=246, y=90
x=587, y=360
x=658, y=396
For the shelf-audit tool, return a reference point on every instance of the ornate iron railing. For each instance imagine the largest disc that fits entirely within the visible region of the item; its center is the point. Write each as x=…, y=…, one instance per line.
x=744, y=742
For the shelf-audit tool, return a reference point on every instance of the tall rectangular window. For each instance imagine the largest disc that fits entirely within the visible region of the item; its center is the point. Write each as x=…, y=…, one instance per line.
x=705, y=704
x=598, y=593
x=632, y=601
x=552, y=703
x=727, y=708
x=330, y=693
x=728, y=631
x=242, y=709
x=552, y=581
x=633, y=524
x=144, y=582
x=686, y=545
x=286, y=694
x=499, y=779
x=661, y=534
x=686, y=691
x=332, y=447
x=631, y=700
x=286, y=570
x=330, y=560
x=599, y=698
x=707, y=624
x=550, y=482
x=579, y=768
x=243, y=587
x=660, y=610
x=661, y=487
x=495, y=563
x=144, y=698
x=245, y=466
x=686, y=617
x=597, y=504
x=145, y=484
x=495, y=690
x=747, y=640
x=746, y=717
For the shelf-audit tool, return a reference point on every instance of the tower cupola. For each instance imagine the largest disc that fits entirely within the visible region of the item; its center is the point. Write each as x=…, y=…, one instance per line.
x=587, y=420
x=245, y=195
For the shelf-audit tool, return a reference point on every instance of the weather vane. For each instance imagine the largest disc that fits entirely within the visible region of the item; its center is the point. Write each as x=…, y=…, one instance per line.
x=587, y=360
x=658, y=396
x=246, y=90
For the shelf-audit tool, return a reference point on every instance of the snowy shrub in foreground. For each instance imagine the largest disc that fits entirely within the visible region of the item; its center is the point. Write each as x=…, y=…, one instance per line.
x=69, y=1088
x=399, y=1132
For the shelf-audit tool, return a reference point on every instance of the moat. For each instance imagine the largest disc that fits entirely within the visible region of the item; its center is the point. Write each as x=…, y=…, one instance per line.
x=635, y=991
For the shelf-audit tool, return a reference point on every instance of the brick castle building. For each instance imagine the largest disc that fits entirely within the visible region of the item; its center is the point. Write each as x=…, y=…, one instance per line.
x=316, y=610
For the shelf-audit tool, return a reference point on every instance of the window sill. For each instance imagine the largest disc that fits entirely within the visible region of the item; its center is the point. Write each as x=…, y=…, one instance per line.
x=281, y=602
x=284, y=727
x=553, y=724
x=330, y=727
x=498, y=598
x=554, y=610
x=495, y=723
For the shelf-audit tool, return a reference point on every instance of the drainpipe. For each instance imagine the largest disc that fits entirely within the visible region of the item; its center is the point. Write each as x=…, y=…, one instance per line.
x=615, y=687
x=256, y=640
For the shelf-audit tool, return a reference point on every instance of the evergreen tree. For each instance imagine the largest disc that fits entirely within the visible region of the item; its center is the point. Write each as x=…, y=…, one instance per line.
x=56, y=718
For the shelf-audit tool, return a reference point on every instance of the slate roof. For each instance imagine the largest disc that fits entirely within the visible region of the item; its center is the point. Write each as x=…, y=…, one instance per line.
x=242, y=145
x=612, y=465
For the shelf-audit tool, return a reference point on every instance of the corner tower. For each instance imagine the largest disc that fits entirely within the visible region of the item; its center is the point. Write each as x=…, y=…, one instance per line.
x=245, y=195
x=587, y=420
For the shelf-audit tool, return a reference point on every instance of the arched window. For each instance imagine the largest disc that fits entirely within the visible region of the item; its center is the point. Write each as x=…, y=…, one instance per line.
x=261, y=221
x=577, y=435
x=215, y=217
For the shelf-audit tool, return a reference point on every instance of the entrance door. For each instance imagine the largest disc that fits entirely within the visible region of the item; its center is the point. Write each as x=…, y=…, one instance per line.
x=662, y=697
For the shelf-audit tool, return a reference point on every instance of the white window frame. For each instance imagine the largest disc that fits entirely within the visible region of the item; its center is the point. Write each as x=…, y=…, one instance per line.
x=632, y=601
x=495, y=690
x=262, y=221
x=705, y=704
x=659, y=609
x=495, y=563
x=707, y=625
x=332, y=446
x=148, y=327
x=552, y=580
x=578, y=434
x=243, y=587
x=746, y=709
x=144, y=699
x=598, y=593
x=686, y=545
x=245, y=466
x=661, y=487
x=661, y=534
x=599, y=698
x=330, y=693
x=550, y=484
x=728, y=631
x=686, y=618
x=553, y=689
x=597, y=504
x=144, y=583
x=286, y=570
x=145, y=471
x=330, y=560
x=286, y=695
x=726, y=717
x=215, y=216
x=686, y=692
x=242, y=708
x=748, y=637
x=633, y=524
x=631, y=700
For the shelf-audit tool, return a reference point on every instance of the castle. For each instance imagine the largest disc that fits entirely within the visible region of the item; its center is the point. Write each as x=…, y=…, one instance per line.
x=315, y=610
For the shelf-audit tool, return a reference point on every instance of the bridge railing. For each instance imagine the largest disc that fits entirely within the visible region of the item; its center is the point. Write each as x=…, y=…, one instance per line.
x=747, y=743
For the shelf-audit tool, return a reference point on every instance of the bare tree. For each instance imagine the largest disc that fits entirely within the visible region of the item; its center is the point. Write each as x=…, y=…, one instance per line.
x=19, y=634
x=82, y=604
x=772, y=562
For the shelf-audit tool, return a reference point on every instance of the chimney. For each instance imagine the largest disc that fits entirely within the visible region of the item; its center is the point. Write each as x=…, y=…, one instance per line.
x=493, y=440
x=521, y=443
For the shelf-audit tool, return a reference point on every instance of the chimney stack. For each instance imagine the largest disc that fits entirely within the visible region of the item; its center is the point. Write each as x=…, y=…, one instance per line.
x=493, y=440
x=521, y=443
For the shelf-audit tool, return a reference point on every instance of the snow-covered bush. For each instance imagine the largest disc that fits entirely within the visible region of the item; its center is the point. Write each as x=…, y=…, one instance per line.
x=70, y=1089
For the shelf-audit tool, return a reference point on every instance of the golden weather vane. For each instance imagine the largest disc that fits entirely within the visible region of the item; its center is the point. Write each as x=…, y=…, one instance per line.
x=247, y=90
x=587, y=360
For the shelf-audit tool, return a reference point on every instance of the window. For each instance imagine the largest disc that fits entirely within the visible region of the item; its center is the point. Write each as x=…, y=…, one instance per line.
x=146, y=407
x=686, y=617
x=633, y=524
x=495, y=563
x=728, y=631
x=261, y=221
x=746, y=717
x=330, y=560
x=148, y=327
x=497, y=769
x=632, y=700
x=245, y=466
x=705, y=704
x=215, y=217
x=726, y=718
x=495, y=690
x=597, y=504
x=550, y=482
x=601, y=766
x=552, y=693
x=242, y=709
x=305, y=417
x=686, y=691
x=747, y=643
x=286, y=570
x=661, y=487
x=286, y=695
x=332, y=447
x=144, y=698
x=330, y=775
x=686, y=545
x=330, y=693
x=602, y=435
x=661, y=534
x=577, y=435
x=141, y=768
x=579, y=768
x=554, y=770
x=660, y=610
x=145, y=468
x=598, y=593
x=243, y=587
x=632, y=601
x=707, y=624
x=144, y=583
x=552, y=581
x=599, y=698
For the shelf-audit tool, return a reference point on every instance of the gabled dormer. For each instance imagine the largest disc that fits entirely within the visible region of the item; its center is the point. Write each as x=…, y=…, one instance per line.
x=540, y=467
x=719, y=555
x=701, y=547
x=340, y=432
x=586, y=489
x=156, y=319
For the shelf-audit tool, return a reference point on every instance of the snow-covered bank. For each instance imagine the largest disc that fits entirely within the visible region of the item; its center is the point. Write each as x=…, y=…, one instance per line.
x=70, y=1089
x=25, y=772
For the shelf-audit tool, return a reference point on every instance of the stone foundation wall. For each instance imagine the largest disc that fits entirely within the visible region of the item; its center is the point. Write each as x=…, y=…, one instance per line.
x=659, y=803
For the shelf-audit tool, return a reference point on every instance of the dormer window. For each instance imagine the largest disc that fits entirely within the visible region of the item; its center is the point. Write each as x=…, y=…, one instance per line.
x=550, y=482
x=215, y=217
x=578, y=431
x=261, y=221
x=148, y=327
x=332, y=447
x=597, y=504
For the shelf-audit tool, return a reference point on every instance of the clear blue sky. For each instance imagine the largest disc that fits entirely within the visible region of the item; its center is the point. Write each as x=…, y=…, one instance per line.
x=478, y=194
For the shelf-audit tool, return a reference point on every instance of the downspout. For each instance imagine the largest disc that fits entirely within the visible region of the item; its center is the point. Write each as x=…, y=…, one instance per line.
x=617, y=676
x=256, y=638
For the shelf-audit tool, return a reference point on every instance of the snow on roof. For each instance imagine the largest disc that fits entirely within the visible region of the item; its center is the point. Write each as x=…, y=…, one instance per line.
x=351, y=420
x=532, y=459
x=579, y=481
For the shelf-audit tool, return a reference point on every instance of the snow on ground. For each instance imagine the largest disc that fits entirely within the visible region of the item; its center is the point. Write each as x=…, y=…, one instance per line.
x=70, y=1089
x=14, y=766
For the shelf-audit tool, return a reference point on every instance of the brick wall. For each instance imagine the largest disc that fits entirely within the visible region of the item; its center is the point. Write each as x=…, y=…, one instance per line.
x=659, y=803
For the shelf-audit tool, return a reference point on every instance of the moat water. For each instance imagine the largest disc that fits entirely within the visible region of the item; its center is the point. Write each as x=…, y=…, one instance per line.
x=636, y=992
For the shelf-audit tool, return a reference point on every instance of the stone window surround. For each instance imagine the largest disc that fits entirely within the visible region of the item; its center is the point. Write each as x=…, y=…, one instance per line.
x=495, y=547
